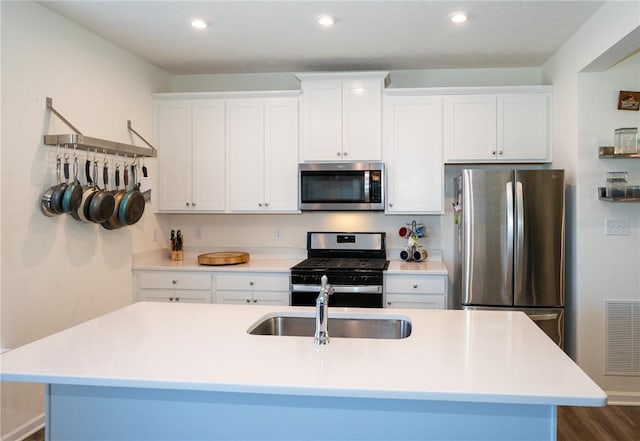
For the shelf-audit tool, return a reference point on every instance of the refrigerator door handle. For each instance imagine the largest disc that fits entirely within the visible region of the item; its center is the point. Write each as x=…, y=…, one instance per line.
x=519, y=252
x=543, y=317
x=509, y=212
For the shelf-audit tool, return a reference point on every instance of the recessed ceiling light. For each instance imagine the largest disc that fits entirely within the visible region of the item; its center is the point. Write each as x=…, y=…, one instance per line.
x=458, y=17
x=198, y=23
x=326, y=20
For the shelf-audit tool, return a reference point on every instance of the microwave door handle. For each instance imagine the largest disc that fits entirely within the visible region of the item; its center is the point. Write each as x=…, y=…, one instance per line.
x=367, y=186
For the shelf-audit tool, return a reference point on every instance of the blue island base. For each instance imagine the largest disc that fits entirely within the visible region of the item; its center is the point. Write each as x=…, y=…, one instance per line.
x=116, y=413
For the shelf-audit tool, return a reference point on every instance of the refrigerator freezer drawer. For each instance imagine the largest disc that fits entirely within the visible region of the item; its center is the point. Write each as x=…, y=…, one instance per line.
x=550, y=320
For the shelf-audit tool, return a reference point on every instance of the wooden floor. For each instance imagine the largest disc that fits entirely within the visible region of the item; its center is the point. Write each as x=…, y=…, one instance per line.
x=610, y=423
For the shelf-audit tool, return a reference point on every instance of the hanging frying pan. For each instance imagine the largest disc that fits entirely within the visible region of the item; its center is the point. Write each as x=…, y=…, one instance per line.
x=73, y=193
x=113, y=222
x=102, y=202
x=45, y=201
x=132, y=204
x=87, y=191
x=55, y=202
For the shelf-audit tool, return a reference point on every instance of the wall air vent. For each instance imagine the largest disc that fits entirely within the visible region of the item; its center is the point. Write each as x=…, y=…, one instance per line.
x=622, y=337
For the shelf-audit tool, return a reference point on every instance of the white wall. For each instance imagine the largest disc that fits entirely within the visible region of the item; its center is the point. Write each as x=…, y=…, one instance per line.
x=585, y=116
x=397, y=78
x=57, y=272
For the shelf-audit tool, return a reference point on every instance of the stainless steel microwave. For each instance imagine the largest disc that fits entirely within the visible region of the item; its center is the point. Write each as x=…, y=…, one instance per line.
x=341, y=186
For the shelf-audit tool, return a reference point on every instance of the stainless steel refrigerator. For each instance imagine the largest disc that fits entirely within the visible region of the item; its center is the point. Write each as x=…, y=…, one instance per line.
x=510, y=244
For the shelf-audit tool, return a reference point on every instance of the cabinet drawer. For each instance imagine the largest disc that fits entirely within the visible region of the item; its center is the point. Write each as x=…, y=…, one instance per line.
x=174, y=280
x=416, y=284
x=414, y=301
x=253, y=282
x=168, y=295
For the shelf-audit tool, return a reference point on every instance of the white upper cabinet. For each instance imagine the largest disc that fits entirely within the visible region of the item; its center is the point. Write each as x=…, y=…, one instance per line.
x=341, y=116
x=262, y=151
x=503, y=127
x=190, y=137
x=413, y=154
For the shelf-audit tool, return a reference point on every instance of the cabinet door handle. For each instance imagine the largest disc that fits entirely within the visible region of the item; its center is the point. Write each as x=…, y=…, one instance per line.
x=259, y=204
x=251, y=283
x=391, y=204
x=415, y=286
x=266, y=204
x=345, y=153
x=193, y=204
x=255, y=300
x=177, y=299
x=500, y=152
x=248, y=300
x=187, y=204
x=174, y=282
x=171, y=299
x=493, y=153
x=388, y=303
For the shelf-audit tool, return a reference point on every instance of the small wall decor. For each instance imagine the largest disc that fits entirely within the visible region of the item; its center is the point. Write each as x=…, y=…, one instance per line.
x=628, y=100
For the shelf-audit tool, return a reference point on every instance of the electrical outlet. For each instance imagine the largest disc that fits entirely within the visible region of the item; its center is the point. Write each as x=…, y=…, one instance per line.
x=617, y=227
x=277, y=235
x=197, y=233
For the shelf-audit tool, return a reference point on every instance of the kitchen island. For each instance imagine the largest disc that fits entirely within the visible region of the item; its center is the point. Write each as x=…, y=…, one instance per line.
x=154, y=371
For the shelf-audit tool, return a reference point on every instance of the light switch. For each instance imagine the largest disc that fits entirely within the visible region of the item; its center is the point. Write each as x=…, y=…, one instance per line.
x=617, y=227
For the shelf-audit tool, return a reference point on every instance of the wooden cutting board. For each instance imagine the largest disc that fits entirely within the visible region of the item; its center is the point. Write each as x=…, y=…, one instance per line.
x=223, y=258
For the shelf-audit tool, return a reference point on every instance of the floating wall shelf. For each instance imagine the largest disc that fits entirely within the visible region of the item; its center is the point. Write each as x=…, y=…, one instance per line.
x=607, y=153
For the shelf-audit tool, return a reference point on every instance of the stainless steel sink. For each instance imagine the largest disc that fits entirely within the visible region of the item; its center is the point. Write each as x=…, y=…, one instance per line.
x=385, y=327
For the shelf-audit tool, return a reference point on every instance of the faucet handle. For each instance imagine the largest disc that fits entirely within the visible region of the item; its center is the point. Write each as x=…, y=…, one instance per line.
x=325, y=286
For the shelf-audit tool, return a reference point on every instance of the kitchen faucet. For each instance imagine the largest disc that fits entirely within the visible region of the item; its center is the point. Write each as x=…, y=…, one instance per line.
x=321, y=336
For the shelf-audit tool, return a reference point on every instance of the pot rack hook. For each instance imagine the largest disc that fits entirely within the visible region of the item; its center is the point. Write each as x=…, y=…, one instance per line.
x=62, y=118
x=139, y=136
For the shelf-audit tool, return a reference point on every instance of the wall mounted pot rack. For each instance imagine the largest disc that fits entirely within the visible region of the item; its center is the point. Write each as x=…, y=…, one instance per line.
x=87, y=143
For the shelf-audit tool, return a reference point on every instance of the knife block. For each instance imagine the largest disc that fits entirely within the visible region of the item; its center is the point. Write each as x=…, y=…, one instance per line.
x=176, y=255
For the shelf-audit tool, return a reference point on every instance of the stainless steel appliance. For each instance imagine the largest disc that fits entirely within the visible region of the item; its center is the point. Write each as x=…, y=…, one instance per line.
x=353, y=263
x=336, y=186
x=510, y=244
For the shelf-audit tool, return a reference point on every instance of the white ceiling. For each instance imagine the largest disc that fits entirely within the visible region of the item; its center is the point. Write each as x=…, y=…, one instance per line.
x=283, y=36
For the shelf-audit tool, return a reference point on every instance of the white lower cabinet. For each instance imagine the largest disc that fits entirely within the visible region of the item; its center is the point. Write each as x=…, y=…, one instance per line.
x=173, y=286
x=415, y=291
x=252, y=288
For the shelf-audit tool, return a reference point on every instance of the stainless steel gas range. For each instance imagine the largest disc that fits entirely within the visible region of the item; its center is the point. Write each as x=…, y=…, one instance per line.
x=353, y=263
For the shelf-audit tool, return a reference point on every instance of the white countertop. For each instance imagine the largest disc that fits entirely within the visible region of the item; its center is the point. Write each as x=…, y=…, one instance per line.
x=159, y=260
x=479, y=356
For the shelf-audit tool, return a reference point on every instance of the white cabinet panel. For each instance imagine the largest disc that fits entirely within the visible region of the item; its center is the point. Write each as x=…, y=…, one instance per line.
x=262, y=146
x=415, y=291
x=341, y=117
x=470, y=127
x=173, y=286
x=507, y=127
x=523, y=127
x=252, y=288
x=413, y=154
x=190, y=138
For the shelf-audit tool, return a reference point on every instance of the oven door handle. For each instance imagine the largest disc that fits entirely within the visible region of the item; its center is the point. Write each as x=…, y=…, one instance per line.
x=359, y=289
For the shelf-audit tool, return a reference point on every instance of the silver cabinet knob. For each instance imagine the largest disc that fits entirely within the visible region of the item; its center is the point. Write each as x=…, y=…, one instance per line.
x=415, y=286
x=345, y=153
x=177, y=299
x=248, y=300
x=171, y=299
x=388, y=303
x=193, y=204
x=187, y=204
x=259, y=204
x=390, y=204
x=174, y=282
x=339, y=154
x=501, y=152
x=251, y=283
x=493, y=152
x=255, y=300
x=266, y=204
